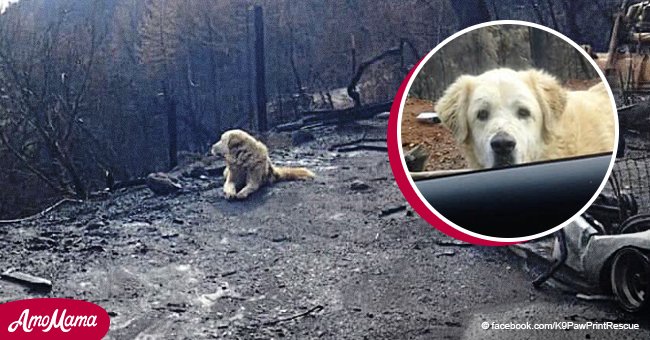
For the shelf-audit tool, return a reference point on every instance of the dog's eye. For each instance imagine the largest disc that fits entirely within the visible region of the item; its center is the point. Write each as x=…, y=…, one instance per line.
x=523, y=113
x=483, y=114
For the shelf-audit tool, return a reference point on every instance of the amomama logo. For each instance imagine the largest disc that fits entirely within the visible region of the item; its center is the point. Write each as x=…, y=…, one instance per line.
x=52, y=319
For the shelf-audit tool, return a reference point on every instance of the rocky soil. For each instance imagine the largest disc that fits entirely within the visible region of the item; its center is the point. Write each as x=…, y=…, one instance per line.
x=435, y=138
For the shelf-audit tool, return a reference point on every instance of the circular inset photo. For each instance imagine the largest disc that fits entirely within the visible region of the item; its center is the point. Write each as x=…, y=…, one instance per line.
x=505, y=132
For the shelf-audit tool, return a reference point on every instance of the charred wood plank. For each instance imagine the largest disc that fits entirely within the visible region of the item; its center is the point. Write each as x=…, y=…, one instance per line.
x=32, y=282
x=636, y=117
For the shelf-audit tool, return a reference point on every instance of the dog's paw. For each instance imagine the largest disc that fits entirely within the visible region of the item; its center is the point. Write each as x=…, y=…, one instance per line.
x=241, y=195
x=229, y=194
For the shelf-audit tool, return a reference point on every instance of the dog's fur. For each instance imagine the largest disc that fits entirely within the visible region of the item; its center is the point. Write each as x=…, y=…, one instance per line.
x=248, y=166
x=505, y=117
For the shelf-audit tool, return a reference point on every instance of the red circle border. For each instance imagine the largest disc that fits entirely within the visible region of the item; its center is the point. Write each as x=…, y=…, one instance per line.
x=401, y=177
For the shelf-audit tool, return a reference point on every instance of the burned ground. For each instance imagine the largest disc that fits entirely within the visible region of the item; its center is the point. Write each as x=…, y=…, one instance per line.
x=298, y=260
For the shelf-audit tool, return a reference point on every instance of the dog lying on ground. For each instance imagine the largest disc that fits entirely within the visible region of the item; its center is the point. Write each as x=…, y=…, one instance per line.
x=505, y=117
x=248, y=166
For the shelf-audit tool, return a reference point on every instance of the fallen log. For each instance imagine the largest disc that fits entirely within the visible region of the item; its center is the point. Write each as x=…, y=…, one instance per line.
x=326, y=117
x=363, y=148
x=42, y=213
x=313, y=119
x=34, y=283
x=334, y=147
x=129, y=183
x=291, y=126
x=349, y=114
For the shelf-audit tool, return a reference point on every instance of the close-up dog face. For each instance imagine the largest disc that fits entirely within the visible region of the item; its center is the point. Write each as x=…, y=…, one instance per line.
x=502, y=116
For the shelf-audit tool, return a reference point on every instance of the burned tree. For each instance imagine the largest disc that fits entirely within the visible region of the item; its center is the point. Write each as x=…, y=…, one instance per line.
x=260, y=70
x=392, y=52
x=470, y=13
x=46, y=94
x=159, y=48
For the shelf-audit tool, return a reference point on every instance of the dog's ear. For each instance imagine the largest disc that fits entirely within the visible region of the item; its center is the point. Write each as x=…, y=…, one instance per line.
x=551, y=96
x=233, y=139
x=452, y=107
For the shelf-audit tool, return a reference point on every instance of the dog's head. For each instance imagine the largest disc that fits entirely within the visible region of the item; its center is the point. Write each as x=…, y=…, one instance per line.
x=229, y=140
x=502, y=117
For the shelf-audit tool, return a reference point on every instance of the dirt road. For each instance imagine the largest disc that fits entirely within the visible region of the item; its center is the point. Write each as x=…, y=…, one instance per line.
x=298, y=260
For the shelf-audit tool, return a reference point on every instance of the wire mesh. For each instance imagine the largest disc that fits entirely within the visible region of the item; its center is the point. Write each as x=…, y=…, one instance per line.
x=632, y=174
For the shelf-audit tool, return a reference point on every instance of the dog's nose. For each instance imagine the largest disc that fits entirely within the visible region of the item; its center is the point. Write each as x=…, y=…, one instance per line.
x=503, y=143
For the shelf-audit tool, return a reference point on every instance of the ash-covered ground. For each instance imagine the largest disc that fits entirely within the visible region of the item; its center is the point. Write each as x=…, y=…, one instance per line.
x=321, y=259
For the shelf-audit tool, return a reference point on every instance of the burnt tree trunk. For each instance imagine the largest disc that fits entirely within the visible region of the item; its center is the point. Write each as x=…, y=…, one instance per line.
x=213, y=75
x=353, y=52
x=538, y=50
x=260, y=83
x=172, y=132
x=572, y=8
x=249, y=73
x=352, y=87
x=551, y=10
x=471, y=12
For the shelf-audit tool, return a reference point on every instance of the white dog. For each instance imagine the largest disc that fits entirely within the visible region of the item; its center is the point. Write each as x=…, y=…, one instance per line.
x=505, y=117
